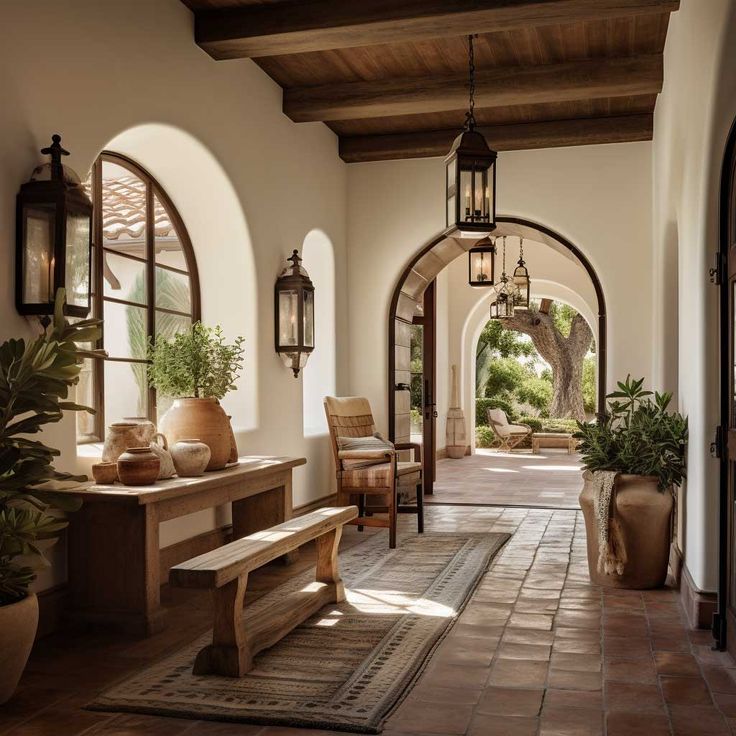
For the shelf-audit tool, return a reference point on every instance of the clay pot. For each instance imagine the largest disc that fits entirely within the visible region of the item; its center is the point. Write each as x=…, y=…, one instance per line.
x=18, y=624
x=160, y=447
x=642, y=514
x=191, y=457
x=105, y=474
x=201, y=418
x=132, y=432
x=138, y=466
x=234, y=454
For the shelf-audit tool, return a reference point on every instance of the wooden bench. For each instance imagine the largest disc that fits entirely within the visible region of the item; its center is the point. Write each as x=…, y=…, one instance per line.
x=237, y=636
x=554, y=439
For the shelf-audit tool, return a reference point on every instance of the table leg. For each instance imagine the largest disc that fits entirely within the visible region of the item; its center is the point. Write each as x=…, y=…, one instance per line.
x=265, y=510
x=114, y=575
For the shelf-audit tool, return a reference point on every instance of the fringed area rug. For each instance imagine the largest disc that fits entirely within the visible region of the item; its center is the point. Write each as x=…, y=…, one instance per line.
x=347, y=667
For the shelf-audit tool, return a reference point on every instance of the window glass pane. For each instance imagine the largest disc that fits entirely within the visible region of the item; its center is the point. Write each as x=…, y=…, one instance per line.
x=125, y=332
x=76, y=275
x=124, y=278
x=86, y=397
x=123, y=210
x=167, y=245
x=288, y=308
x=309, y=319
x=172, y=291
x=168, y=325
x=126, y=392
x=38, y=254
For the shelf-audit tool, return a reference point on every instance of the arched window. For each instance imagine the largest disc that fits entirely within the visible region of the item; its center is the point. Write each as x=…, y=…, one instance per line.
x=144, y=285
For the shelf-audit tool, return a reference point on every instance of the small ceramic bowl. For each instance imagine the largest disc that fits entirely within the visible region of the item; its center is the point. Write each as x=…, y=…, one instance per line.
x=105, y=474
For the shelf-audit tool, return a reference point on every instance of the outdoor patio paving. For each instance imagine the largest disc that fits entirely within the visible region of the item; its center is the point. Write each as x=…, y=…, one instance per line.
x=550, y=479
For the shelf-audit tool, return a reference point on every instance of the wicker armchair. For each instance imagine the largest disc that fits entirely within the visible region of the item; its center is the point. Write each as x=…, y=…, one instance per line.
x=368, y=469
x=509, y=435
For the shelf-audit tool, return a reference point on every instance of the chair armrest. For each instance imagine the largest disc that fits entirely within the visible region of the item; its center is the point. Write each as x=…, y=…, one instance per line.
x=411, y=446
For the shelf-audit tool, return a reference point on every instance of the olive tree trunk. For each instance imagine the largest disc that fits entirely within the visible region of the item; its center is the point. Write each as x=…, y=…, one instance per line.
x=565, y=356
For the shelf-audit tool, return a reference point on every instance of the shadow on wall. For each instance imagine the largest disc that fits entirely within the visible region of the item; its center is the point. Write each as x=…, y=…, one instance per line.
x=319, y=375
x=207, y=202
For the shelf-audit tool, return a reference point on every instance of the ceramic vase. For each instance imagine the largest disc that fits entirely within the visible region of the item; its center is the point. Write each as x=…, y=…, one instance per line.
x=131, y=432
x=18, y=623
x=105, y=474
x=642, y=515
x=201, y=418
x=160, y=447
x=191, y=457
x=138, y=466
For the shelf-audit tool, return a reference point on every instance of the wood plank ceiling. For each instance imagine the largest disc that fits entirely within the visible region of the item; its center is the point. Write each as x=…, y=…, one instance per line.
x=390, y=76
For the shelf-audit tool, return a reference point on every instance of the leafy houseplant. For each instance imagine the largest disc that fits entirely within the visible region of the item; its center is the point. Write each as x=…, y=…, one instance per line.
x=35, y=378
x=638, y=436
x=198, y=368
x=633, y=457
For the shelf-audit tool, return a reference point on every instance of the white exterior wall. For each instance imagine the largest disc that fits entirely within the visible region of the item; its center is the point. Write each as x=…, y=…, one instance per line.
x=693, y=115
x=92, y=70
x=598, y=197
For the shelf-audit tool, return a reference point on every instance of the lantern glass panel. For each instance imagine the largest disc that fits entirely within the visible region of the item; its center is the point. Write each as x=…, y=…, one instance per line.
x=480, y=195
x=309, y=319
x=38, y=253
x=481, y=267
x=466, y=189
x=77, y=267
x=288, y=311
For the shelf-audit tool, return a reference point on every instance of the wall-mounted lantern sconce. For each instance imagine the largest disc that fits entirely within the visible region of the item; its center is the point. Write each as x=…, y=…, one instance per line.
x=482, y=263
x=294, y=305
x=53, y=239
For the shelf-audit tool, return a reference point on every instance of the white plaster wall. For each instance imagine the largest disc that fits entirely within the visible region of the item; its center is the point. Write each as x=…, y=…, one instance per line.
x=91, y=70
x=599, y=197
x=693, y=115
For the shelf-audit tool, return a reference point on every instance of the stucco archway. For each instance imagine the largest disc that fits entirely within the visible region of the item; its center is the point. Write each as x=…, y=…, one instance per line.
x=425, y=266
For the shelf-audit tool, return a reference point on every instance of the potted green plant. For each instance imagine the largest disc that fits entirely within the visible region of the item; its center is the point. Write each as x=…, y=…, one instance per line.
x=633, y=459
x=35, y=378
x=197, y=368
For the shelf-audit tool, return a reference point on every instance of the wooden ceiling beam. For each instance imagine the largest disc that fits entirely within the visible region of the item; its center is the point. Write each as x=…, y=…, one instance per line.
x=497, y=87
x=550, y=134
x=295, y=27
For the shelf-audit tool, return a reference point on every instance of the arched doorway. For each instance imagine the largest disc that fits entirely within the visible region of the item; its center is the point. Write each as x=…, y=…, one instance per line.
x=414, y=295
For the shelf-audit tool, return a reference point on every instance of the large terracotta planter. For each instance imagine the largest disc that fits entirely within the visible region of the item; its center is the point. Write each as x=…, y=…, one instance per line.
x=204, y=419
x=18, y=624
x=643, y=516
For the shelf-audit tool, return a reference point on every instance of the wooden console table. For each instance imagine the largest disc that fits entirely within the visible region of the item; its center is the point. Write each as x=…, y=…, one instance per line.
x=114, y=575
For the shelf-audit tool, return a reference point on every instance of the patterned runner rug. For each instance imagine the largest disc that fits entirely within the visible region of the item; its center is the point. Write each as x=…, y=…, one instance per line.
x=347, y=667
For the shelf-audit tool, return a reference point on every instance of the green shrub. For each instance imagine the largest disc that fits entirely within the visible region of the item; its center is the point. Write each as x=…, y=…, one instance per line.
x=536, y=392
x=494, y=402
x=484, y=437
x=536, y=423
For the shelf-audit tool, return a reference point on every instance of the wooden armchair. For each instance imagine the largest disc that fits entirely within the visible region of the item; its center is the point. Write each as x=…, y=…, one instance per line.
x=509, y=435
x=369, y=468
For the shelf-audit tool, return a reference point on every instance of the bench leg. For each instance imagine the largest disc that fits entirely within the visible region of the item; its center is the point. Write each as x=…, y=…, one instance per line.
x=328, y=570
x=229, y=653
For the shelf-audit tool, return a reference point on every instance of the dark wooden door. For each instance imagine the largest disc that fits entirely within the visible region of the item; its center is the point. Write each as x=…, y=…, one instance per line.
x=725, y=629
x=429, y=414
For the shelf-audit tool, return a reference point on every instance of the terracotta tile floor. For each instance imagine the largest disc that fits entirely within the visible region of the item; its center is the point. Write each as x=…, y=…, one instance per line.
x=538, y=651
x=550, y=479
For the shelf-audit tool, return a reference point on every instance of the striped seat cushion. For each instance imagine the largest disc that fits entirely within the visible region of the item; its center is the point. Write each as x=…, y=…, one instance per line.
x=377, y=475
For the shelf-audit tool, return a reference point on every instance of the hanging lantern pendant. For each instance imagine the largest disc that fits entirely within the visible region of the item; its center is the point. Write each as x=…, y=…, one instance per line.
x=521, y=281
x=482, y=263
x=503, y=305
x=470, y=175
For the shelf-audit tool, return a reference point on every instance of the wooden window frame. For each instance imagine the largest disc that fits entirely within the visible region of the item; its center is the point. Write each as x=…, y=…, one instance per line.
x=153, y=190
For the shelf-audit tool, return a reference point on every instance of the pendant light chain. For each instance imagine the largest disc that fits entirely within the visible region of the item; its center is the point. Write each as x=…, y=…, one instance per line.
x=470, y=114
x=503, y=271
